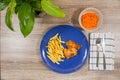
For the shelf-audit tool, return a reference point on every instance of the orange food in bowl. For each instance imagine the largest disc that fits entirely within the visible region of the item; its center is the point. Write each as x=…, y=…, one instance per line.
x=89, y=20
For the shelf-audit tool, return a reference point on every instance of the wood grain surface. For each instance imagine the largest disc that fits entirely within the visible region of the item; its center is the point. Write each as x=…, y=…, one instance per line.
x=20, y=59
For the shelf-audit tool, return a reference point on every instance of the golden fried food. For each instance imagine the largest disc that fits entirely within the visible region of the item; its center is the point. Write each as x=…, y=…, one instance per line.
x=72, y=49
x=70, y=52
x=56, y=52
x=55, y=49
x=72, y=44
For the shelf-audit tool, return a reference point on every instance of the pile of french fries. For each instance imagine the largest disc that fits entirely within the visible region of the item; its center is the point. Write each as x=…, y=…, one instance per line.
x=55, y=49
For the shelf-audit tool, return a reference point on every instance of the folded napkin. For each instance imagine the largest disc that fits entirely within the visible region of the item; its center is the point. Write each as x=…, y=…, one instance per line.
x=108, y=49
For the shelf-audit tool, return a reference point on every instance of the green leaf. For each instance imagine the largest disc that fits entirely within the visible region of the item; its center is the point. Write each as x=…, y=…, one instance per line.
x=6, y=1
x=2, y=6
x=16, y=9
x=19, y=1
x=36, y=5
x=26, y=18
x=9, y=13
x=52, y=9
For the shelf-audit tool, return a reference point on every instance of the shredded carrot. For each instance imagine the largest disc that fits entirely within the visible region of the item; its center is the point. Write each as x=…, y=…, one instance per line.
x=90, y=20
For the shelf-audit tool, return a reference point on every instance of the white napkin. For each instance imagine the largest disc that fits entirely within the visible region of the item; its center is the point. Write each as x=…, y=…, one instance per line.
x=109, y=51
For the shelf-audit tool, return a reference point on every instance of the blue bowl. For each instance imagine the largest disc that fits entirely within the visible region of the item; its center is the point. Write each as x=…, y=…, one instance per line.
x=66, y=32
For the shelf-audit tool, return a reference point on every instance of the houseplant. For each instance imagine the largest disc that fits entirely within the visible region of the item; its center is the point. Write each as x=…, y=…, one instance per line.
x=27, y=10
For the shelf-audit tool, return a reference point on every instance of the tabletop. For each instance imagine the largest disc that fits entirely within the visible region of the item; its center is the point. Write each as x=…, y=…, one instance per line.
x=20, y=59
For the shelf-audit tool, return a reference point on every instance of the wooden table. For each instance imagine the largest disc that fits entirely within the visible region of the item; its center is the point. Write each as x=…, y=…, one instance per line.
x=20, y=59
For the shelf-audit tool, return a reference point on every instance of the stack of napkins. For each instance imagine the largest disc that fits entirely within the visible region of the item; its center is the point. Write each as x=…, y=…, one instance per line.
x=108, y=49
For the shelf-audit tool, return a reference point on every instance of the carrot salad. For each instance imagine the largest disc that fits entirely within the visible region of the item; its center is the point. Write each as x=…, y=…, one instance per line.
x=90, y=20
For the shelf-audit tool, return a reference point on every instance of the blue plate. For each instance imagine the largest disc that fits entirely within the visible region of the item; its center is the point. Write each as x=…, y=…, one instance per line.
x=66, y=32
